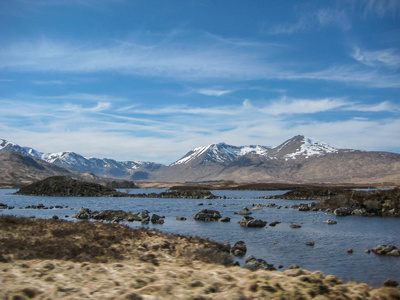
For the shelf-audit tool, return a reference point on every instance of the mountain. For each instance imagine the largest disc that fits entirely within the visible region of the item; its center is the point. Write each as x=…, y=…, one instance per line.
x=134, y=170
x=219, y=153
x=297, y=160
x=17, y=169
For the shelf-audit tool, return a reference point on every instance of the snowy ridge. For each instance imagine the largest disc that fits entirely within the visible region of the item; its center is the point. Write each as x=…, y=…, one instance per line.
x=221, y=153
x=311, y=147
x=76, y=162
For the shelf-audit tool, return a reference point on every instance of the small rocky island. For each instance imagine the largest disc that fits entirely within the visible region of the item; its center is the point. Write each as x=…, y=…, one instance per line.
x=343, y=201
x=64, y=186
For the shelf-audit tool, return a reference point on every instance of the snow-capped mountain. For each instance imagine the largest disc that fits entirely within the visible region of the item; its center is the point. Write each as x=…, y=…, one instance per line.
x=301, y=146
x=298, y=146
x=297, y=160
x=75, y=162
x=220, y=153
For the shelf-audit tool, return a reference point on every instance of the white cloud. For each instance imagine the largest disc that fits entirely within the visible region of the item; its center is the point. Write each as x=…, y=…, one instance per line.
x=214, y=92
x=379, y=107
x=389, y=58
x=302, y=106
x=205, y=59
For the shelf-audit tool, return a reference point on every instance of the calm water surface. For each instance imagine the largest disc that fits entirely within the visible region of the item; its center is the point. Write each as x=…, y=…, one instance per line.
x=279, y=245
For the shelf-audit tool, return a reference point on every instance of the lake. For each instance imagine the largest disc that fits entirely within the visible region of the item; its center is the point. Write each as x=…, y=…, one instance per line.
x=279, y=245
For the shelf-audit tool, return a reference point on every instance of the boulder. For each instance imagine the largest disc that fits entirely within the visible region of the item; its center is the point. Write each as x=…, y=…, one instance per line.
x=251, y=222
x=342, y=211
x=311, y=243
x=225, y=219
x=156, y=219
x=390, y=283
x=83, y=214
x=254, y=264
x=207, y=215
x=359, y=212
x=3, y=206
x=303, y=207
x=144, y=217
x=239, y=249
x=387, y=250
x=244, y=211
x=180, y=218
x=295, y=226
x=330, y=222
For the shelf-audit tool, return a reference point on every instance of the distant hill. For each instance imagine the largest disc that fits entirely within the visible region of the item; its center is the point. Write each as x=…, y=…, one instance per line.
x=17, y=170
x=132, y=170
x=298, y=160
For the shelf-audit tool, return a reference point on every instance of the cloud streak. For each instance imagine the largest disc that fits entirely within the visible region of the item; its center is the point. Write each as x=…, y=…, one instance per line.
x=203, y=60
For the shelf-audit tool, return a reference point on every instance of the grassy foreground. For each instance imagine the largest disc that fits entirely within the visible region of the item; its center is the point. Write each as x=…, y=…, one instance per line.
x=49, y=259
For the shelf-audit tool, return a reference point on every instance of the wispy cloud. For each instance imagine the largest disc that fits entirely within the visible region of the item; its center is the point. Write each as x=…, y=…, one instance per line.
x=313, y=20
x=286, y=106
x=202, y=60
x=214, y=92
x=384, y=106
x=389, y=58
x=381, y=8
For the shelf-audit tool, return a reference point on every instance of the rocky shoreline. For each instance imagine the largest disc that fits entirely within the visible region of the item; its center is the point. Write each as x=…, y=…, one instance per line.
x=48, y=259
x=344, y=202
x=64, y=186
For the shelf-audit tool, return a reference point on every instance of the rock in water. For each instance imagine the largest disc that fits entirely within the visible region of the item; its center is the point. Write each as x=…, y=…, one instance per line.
x=239, y=249
x=330, y=222
x=251, y=222
x=254, y=264
x=83, y=214
x=389, y=250
x=244, y=211
x=207, y=215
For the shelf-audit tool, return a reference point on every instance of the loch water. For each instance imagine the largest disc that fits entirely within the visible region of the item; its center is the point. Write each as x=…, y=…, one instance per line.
x=279, y=245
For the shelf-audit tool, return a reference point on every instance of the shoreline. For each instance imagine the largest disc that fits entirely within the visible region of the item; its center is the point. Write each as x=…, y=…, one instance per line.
x=144, y=264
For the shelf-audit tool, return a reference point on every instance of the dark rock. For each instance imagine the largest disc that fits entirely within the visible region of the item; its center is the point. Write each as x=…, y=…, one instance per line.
x=65, y=186
x=311, y=243
x=342, y=211
x=247, y=221
x=207, y=215
x=156, y=219
x=294, y=267
x=389, y=250
x=350, y=250
x=303, y=207
x=181, y=219
x=55, y=217
x=83, y=214
x=225, y=219
x=239, y=249
x=295, y=226
x=367, y=251
x=3, y=206
x=390, y=283
x=254, y=264
x=244, y=211
x=330, y=222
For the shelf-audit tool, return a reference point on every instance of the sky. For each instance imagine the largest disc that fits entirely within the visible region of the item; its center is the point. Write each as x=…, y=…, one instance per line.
x=151, y=80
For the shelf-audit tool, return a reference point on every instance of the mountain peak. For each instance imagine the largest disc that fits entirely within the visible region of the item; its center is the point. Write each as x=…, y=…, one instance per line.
x=220, y=153
x=301, y=145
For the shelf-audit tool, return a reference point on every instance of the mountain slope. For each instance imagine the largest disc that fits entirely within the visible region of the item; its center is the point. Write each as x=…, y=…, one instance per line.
x=134, y=170
x=297, y=160
x=17, y=169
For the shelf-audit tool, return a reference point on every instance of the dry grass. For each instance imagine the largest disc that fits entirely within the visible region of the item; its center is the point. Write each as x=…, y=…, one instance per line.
x=48, y=259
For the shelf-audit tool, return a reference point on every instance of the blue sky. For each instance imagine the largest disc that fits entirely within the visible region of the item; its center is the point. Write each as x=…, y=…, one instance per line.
x=151, y=80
